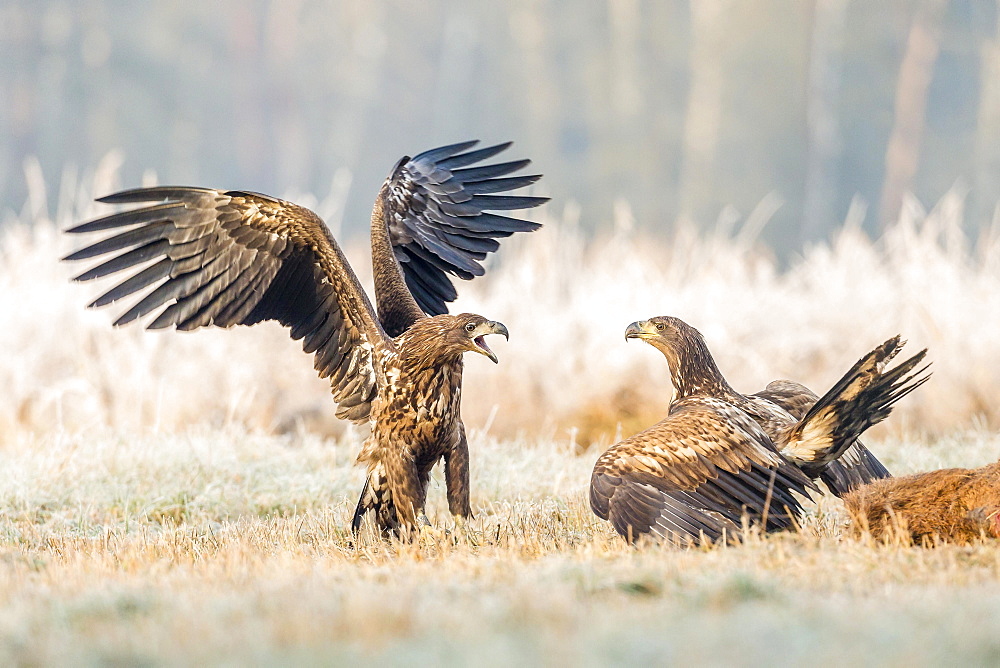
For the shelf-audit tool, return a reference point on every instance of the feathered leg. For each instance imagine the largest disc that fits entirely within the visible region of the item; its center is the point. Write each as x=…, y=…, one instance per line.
x=456, y=475
x=377, y=497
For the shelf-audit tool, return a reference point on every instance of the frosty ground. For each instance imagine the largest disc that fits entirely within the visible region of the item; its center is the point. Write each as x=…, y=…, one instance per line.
x=228, y=546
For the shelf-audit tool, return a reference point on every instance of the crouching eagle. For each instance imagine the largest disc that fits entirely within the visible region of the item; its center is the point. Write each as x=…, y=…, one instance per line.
x=720, y=456
x=227, y=258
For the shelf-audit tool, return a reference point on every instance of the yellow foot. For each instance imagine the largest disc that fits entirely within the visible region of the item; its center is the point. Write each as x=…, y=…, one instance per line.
x=462, y=528
x=430, y=534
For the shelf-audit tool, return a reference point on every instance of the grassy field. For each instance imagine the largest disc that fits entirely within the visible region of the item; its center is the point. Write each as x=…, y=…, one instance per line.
x=224, y=546
x=177, y=498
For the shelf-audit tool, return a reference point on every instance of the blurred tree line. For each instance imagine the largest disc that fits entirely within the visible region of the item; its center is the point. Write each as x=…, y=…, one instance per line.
x=700, y=110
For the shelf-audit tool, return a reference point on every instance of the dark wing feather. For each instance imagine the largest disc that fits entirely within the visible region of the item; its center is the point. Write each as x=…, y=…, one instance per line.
x=694, y=476
x=856, y=467
x=237, y=258
x=430, y=222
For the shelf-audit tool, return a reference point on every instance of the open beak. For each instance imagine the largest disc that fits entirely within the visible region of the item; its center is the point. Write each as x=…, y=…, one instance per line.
x=480, y=339
x=637, y=330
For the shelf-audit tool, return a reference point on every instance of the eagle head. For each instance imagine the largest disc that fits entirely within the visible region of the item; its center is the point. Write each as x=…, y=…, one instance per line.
x=663, y=329
x=692, y=367
x=680, y=343
x=451, y=335
x=469, y=333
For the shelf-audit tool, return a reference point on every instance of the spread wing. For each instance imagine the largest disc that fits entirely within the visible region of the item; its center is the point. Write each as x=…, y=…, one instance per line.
x=856, y=467
x=208, y=257
x=696, y=474
x=432, y=220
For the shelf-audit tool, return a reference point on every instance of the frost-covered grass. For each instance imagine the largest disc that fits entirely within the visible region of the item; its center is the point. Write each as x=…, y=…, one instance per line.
x=182, y=497
x=222, y=546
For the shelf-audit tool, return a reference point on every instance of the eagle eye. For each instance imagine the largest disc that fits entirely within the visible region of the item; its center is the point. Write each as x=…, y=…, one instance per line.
x=659, y=327
x=470, y=326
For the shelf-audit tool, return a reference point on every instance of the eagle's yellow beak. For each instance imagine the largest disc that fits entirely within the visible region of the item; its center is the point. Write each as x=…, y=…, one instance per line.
x=479, y=340
x=639, y=330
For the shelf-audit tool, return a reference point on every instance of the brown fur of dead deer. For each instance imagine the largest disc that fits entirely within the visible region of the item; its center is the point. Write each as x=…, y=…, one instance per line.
x=952, y=505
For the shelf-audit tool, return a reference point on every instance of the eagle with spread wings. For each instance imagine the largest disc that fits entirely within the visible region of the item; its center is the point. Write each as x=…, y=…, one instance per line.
x=720, y=456
x=224, y=258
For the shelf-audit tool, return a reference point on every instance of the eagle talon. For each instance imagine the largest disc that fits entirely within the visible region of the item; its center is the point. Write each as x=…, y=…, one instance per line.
x=431, y=535
x=462, y=528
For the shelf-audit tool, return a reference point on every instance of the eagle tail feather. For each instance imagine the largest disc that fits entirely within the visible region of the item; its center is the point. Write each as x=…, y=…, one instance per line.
x=863, y=397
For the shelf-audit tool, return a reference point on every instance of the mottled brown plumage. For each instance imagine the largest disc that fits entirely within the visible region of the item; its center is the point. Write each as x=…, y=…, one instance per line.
x=224, y=258
x=720, y=456
x=954, y=505
x=416, y=421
